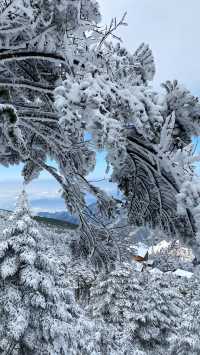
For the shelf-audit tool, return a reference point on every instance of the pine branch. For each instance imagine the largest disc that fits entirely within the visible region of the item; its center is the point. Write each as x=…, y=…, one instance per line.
x=5, y=6
x=17, y=55
x=11, y=348
x=165, y=188
x=17, y=83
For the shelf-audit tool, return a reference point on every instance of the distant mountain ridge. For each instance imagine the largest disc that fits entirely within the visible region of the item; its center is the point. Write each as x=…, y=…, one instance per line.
x=61, y=216
x=92, y=210
x=43, y=220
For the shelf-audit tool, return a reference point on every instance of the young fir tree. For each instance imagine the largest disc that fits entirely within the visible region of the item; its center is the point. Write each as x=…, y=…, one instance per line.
x=113, y=298
x=81, y=276
x=187, y=339
x=158, y=314
x=37, y=316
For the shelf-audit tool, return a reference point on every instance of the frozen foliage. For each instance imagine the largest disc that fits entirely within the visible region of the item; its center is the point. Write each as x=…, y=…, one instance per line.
x=114, y=293
x=81, y=277
x=186, y=110
x=158, y=314
x=127, y=119
x=189, y=197
x=145, y=310
x=113, y=299
x=121, y=312
x=173, y=257
x=38, y=314
x=66, y=93
x=61, y=78
x=187, y=339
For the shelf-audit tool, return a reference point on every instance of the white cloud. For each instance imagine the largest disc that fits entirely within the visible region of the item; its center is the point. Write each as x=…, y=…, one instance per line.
x=41, y=193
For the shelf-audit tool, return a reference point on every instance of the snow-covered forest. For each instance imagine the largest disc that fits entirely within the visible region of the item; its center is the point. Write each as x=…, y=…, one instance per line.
x=125, y=280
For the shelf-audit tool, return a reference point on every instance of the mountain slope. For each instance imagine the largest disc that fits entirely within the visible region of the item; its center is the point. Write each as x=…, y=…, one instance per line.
x=63, y=216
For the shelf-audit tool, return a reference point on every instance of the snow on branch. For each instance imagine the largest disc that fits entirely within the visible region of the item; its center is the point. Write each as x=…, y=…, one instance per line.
x=17, y=55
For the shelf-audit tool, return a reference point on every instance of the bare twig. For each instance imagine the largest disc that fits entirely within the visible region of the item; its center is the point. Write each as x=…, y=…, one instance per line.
x=110, y=30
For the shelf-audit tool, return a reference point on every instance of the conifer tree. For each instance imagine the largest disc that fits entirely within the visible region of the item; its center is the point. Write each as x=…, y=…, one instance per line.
x=158, y=314
x=36, y=315
x=186, y=340
x=114, y=299
x=82, y=276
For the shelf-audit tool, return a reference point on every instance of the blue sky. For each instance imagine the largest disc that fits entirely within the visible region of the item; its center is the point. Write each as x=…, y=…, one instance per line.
x=172, y=30
x=44, y=193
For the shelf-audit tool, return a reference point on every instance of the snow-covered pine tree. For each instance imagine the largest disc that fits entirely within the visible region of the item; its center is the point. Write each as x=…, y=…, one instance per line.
x=81, y=276
x=114, y=299
x=37, y=316
x=186, y=341
x=142, y=311
x=158, y=314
